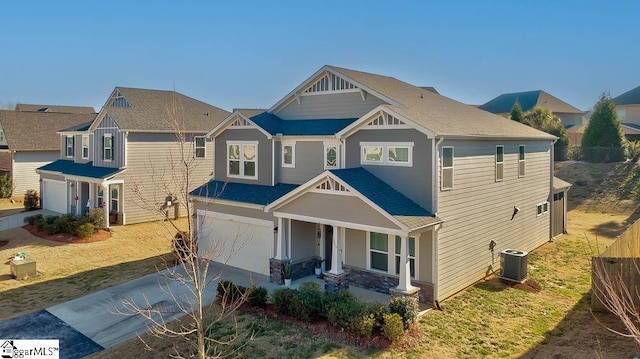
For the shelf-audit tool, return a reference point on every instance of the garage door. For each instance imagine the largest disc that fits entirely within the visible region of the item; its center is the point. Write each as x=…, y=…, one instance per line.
x=54, y=196
x=241, y=242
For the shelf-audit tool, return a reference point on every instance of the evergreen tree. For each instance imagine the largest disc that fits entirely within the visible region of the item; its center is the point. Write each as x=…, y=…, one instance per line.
x=543, y=119
x=603, y=130
x=516, y=112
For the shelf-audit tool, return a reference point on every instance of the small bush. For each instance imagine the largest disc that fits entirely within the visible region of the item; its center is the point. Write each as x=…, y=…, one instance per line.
x=84, y=230
x=31, y=200
x=6, y=186
x=406, y=307
x=363, y=324
x=31, y=220
x=342, y=313
x=96, y=217
x=51, y=228
x=258, y=297
x=393, y=327
x=378, y=311
x=307, y=303
x=228, y=293
x=50, y=219
x=65, y=222
x=282, y=298
x=40, y=223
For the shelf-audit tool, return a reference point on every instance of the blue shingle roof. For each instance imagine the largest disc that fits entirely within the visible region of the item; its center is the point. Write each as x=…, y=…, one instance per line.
x=380, y=193
x=504, y=103
x=242, y=192
x=69, y=167
x=317, y=127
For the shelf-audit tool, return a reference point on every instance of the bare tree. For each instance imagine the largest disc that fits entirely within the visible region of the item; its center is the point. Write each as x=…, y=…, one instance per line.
x=188, y=284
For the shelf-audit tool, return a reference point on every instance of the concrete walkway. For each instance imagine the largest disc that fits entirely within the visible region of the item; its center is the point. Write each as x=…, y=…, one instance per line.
x=100, y=320
x=17, y=220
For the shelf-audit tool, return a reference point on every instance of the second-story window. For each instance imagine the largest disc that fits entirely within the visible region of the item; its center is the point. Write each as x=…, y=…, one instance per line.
x=199, y=147
x=499, y=163
x=521, y=161
x=386, y=153
x=242, y=159
x=288, y=154
x=107, y=147
x=331, y=156
x=446, y=180
x=85, y=146
x=69, y=146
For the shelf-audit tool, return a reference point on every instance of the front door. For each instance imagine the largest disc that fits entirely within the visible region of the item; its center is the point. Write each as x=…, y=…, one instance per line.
x=328, y=246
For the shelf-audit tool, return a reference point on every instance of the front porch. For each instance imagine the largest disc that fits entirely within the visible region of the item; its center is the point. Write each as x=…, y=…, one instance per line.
x=105, y=195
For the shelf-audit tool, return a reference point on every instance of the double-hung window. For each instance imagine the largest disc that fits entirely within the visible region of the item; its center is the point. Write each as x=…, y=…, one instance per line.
x=69, y=146
x=107, y=147
x=379, y=251
x=499, y=163
x=242, y=159
x=412, y=255
x=199, y=147
x=85, y=147
x=446, y=180
x=542, y=208
x=521, y=161
x=385, y=153
x=288, y=154
x=100, y=197
x=114, y=199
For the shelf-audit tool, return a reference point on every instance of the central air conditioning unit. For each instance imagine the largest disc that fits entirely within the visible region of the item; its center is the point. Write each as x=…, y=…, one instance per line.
x=513, y=265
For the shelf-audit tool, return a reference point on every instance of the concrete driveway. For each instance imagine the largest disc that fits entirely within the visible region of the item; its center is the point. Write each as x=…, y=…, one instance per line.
x=17, y=220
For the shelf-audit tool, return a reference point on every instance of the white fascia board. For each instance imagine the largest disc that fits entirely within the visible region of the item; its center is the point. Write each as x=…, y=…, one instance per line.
x=362, y=227
x=227, y=121
x=356, y=125
x=291, y=94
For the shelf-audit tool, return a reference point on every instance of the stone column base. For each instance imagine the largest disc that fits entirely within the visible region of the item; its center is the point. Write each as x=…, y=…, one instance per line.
x=275, y=270
x=335, y=282
x=413, y=293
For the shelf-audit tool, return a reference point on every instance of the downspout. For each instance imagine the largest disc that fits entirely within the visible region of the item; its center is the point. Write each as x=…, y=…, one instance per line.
x=273, y=161
x=552, y=170
x=434, y=175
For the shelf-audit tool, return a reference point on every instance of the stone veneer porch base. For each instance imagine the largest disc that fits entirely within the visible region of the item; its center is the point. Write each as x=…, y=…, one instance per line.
x=384, y=283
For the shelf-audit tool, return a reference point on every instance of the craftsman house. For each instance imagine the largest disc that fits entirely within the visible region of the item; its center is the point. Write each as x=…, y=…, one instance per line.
x=388, y=185
x=127, y=160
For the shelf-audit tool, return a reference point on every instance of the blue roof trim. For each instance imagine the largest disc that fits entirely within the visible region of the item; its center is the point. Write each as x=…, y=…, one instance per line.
x=69, y=167
x=242, y=192
x=380, y=193
x=316, y=127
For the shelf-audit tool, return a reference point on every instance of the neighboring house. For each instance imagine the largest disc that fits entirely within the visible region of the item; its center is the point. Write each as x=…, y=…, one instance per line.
x=28, y=140
x=54, y=108
x=628, y=111
x=503, y=104
x=127, y=160
x=392, y=186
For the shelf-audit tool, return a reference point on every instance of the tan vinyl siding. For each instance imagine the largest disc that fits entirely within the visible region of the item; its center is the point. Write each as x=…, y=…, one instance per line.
x=24, y=172
x=153, y=172
x=632, y=113
x=478, y=210
x=425, y=259
x=309, y=161
x=326, y=106
x=356, y=248
x=415, y=181
x=264, y=164
x=303, y=240
x=349, y=209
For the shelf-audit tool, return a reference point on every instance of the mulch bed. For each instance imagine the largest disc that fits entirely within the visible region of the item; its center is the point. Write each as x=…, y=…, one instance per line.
x=3, y=243
x=322, y=327
x=99, y=236
x=529, y=285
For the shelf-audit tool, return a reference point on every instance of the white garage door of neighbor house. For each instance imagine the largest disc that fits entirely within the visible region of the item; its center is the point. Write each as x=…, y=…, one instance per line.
x=54, y=196
x=241, y=242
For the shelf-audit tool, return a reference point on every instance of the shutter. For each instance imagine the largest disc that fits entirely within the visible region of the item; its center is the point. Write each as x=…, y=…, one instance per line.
x=102, y=154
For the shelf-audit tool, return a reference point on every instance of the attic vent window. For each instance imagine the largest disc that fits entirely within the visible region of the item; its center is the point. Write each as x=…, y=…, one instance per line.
x=330, y=82
x=385, y=120
x=241, y=122
x=118, y=100
x=331, y=185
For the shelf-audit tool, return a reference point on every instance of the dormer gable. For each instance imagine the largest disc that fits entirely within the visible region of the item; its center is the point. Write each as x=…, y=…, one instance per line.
x=237, y=120
x=118, y=100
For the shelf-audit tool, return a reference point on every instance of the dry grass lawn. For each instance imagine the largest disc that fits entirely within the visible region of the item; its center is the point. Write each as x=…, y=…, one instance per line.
x=71, y=270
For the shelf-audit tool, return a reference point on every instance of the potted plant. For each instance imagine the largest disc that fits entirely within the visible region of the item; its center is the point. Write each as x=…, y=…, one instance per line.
x=319, y=266
x=286, y=272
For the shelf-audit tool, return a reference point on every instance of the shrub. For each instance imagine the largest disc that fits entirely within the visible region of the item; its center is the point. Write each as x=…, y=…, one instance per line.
x=228, y=293
x=50, y=219
x=632, y=149
x=307, y=303
x=363, y=324
x=406, y=307
x=65, y=222
x=282, y=298
x=31, y=200
x=40, y=222
x=258, y=297
x=84, y=230
x=6, y=186
x=393, y=327
x=96, y=217
x=342, y=313
x=31, y=220
x=378, y=311
x=51, y=228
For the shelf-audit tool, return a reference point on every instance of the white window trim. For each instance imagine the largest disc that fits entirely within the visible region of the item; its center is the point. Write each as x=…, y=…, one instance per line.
x=499, y=162
x=293, y=154
x=104, y=147
x=442, y=168
x=540, y=208
x=116, y=199
x=87, y=147
x=384, y=160
x=520, y=175
x=391, y=255
x=66, y=146
x=195, y=146
x=329, y=145
x=241, y=159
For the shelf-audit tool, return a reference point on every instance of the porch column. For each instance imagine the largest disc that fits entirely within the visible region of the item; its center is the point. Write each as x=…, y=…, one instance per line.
x=336, y=253
x=281, y=253
x=77, y=203
x=106, y=198
x=405, y=266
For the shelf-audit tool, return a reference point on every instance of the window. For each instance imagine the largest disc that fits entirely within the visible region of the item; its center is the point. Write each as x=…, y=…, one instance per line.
x=69, y=146
x=1, y=136
x=288, y=155
x=85, y=146
x=242, y=159
x=391, y=154
x=499, y=163
x=447, y=168
x=521, y=161
x=199, y=149
x=107, y=147
x=622, y=115
x=412, y=255
x=114, y=200
x=100, y=197
x=378, y=251
x=542, y=208
x=331, y=156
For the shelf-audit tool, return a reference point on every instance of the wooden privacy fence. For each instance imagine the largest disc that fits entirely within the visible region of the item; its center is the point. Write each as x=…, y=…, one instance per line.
x=615, y=274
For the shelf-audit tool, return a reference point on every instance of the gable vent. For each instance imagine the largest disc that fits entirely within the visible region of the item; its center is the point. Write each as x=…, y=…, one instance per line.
x=118, y=100
x=330, y=82
x=241, y=122
x=331, y=185
x=385, y=120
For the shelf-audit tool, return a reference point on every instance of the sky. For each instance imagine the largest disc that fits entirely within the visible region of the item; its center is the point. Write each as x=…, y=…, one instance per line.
x=250, y=54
